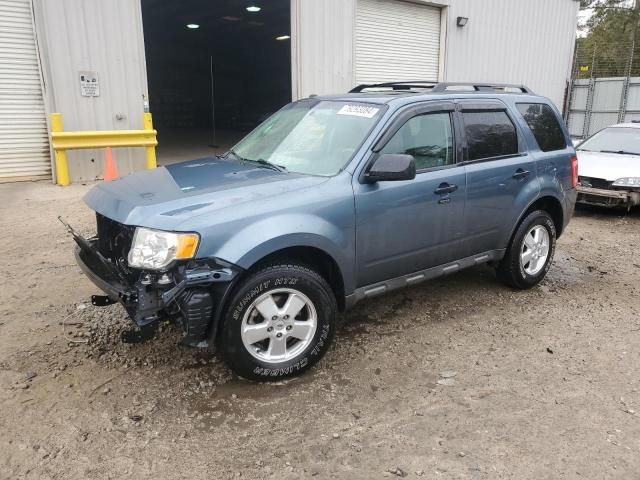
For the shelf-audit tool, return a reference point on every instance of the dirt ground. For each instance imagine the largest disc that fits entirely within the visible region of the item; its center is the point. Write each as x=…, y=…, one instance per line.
x=457, y=378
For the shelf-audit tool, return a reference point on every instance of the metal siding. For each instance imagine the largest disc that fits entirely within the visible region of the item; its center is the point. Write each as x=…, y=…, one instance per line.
x=322, y=35
x=519, y=41
x=630, y=117
x=600, y=102
x=24, y=144
x=396, y=40
x=633, y=95
x=576, y=124
x=580, y=95
x=601, y=120
x=105, y=37
x=607, y=93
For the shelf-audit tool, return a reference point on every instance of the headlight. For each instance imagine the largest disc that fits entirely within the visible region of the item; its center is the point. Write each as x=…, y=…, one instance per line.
x=627, y=182
x=155, y=249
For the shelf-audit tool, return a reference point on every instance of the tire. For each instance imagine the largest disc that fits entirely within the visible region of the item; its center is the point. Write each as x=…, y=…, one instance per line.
x=295, y=341
x=514, y=270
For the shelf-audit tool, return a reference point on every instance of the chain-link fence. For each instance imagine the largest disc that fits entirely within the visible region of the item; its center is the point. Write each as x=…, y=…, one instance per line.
x=605, y=87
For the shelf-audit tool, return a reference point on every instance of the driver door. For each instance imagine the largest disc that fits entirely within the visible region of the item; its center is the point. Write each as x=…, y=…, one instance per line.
x=408, y=226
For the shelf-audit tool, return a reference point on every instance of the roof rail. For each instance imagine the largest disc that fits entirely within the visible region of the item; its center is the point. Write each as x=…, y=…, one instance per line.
x=444, y=87
x=406, y=85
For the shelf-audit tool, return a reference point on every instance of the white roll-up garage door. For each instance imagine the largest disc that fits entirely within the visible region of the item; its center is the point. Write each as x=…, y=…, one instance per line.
x=396, y=40
x=24, y=144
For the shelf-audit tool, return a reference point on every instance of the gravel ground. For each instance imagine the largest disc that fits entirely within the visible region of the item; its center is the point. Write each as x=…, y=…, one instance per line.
x=457, y=378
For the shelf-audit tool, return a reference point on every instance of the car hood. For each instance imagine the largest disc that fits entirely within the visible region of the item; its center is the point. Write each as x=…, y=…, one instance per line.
x=609, y=166
x=167, y=197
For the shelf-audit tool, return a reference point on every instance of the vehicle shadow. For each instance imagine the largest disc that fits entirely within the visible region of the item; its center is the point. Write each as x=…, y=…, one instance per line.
x=595, y=211
x=396, y=311
x=197, y=382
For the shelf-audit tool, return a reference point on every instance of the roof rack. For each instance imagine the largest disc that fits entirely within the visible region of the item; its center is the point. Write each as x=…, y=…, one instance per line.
x=443, y=87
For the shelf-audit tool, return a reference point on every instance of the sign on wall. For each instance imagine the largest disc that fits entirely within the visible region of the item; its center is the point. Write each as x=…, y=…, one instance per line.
x=89, y=84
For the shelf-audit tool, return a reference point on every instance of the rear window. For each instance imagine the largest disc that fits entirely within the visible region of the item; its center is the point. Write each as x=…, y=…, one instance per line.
x=489, y=134
x=544, y=125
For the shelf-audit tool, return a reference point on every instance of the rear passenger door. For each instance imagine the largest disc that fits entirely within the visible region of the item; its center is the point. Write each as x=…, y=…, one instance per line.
x=501, y=175
x=548, y=144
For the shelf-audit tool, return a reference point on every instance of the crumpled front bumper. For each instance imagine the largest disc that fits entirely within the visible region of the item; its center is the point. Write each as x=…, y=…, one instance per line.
x=197, y=291
x=95, y=271
x=607, y=198
x=104, y=276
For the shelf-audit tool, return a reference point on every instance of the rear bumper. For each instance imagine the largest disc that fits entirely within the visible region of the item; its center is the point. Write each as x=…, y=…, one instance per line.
x=570, y=206
x=607, y=198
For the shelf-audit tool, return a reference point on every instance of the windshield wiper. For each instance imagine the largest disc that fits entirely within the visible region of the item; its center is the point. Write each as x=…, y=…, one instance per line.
x=238, y=157
x=267, y=164
x=620, y=152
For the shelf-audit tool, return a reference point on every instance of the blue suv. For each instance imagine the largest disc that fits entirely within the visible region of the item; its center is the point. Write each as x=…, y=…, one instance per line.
x=330, y=201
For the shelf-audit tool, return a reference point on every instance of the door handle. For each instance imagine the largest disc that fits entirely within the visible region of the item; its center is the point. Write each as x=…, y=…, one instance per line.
x=520, y=173
x=445, y=188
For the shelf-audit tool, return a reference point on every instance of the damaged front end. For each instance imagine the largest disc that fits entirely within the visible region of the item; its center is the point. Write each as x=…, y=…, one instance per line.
x=191, y=291
x=603, y=193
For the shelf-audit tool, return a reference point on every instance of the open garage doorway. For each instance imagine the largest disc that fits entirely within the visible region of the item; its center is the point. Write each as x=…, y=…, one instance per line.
x=215, y=70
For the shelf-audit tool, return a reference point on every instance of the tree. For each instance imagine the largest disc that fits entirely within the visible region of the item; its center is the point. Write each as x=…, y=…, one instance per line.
x=610, y=38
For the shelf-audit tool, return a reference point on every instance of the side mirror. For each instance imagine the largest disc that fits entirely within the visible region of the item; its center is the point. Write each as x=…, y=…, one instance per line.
x=392, y=167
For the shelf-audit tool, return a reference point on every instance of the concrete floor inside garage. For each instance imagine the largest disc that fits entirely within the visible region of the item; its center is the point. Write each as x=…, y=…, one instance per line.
x=176, y=147
x=215, y=70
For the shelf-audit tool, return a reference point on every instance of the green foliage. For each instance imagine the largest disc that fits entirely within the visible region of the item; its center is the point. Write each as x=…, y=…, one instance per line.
x=611, y=31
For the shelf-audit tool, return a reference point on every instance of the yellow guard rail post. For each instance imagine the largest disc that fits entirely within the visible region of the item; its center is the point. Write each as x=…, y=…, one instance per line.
x=63, y=141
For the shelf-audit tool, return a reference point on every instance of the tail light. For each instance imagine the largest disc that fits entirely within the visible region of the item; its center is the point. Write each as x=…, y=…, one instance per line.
x=574, y=171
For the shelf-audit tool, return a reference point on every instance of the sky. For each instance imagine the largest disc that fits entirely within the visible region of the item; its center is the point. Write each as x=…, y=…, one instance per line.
x=583, y=16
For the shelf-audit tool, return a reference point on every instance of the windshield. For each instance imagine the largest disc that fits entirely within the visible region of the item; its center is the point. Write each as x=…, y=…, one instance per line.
x=311, y=137
x=614, y=140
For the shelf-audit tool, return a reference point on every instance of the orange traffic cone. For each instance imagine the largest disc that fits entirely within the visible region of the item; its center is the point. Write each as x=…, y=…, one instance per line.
x=110, y=169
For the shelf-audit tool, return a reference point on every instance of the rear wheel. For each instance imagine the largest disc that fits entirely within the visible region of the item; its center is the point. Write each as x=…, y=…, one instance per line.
x=280, y=322
x=530, y=253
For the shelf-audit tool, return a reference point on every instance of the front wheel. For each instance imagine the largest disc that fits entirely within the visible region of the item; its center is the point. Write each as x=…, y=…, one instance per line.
x=530, y=252
x=280, y=322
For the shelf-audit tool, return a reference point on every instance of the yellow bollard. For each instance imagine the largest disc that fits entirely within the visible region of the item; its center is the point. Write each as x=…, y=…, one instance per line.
x=150, y=152
x=62, y=165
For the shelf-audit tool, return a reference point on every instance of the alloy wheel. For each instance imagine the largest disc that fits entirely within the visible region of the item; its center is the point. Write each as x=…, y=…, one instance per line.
x=279, y=325
x=535, y=250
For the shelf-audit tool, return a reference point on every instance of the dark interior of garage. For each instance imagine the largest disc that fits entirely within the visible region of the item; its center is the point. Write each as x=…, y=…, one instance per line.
x=215, y=70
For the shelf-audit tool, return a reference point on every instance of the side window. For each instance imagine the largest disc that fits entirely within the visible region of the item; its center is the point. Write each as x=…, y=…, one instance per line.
x=429, y=138
x=544, y=125
x=489, y=134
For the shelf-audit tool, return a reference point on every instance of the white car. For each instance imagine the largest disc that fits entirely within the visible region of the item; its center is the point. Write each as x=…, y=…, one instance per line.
x=609, y=167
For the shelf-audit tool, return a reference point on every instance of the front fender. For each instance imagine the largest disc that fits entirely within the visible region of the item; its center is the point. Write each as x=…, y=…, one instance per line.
x=264, y=237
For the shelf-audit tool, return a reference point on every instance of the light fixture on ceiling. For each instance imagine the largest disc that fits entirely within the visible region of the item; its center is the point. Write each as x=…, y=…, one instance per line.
x=193, y=26
x=462, y=21
x=283, y=37
x=253, y=9
x=229, y=18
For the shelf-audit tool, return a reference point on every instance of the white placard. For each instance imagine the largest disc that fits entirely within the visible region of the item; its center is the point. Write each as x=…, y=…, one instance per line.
x=359, y=111
x=89, y=84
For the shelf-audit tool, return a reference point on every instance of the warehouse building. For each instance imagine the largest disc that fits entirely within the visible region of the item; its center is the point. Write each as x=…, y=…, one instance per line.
x=211, y=71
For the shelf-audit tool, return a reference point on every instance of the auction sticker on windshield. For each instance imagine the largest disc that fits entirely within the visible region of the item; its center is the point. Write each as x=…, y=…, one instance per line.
x=359, y=111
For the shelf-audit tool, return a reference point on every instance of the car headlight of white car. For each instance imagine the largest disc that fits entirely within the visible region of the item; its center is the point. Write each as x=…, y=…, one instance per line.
x=627, y=182
x=155, y=249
